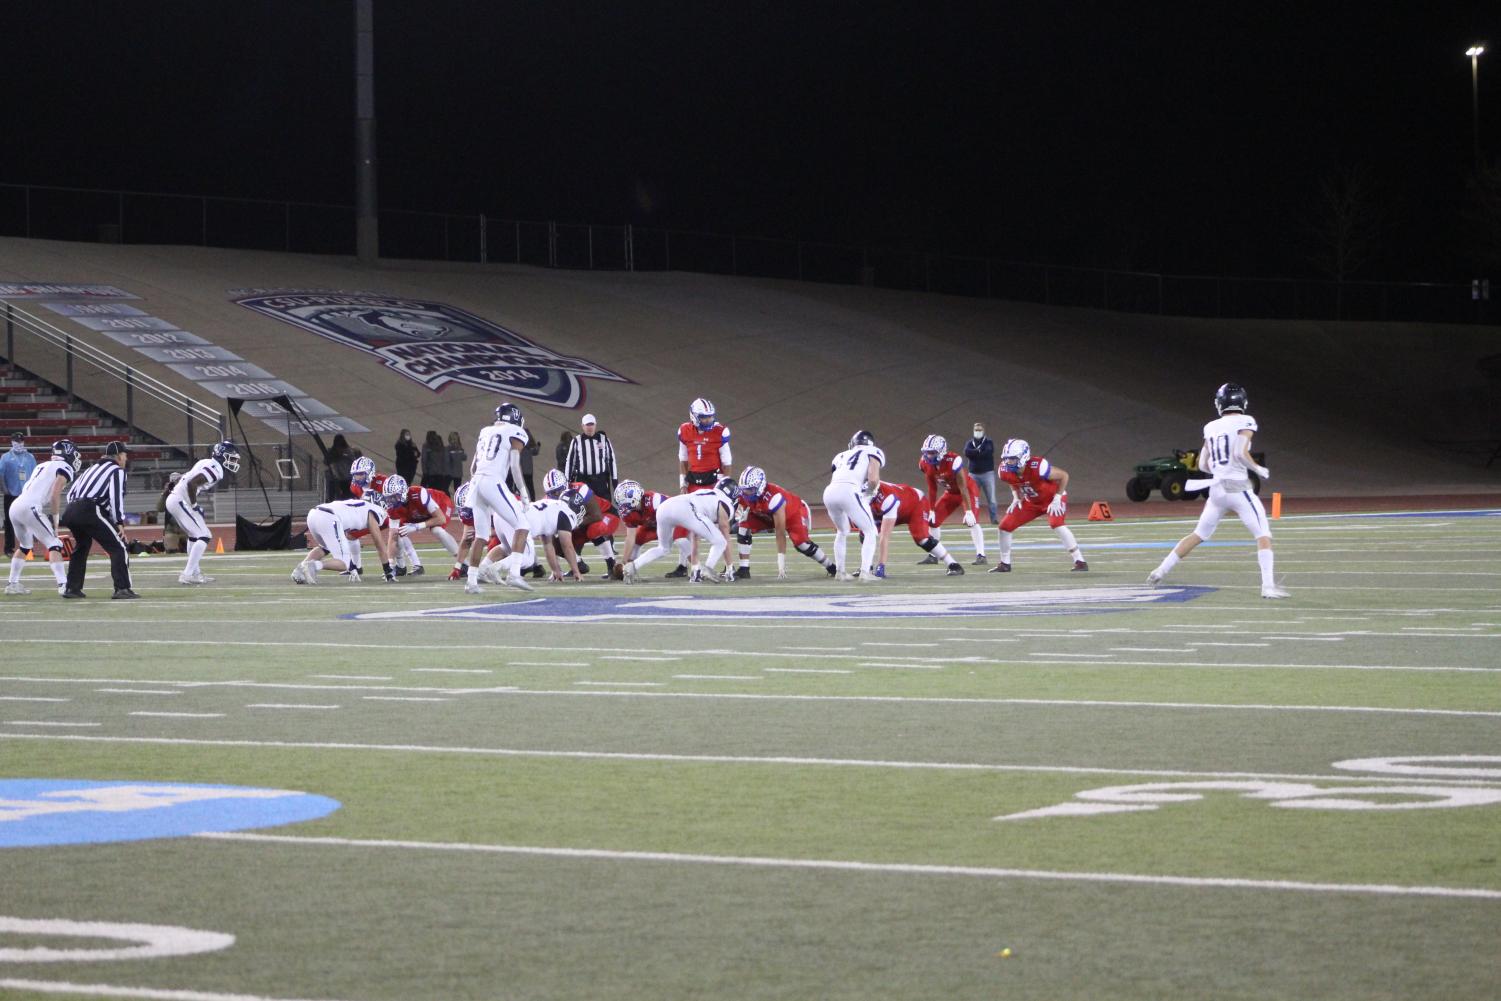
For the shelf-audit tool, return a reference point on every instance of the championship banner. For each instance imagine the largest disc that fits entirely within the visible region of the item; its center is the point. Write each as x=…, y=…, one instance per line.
x=433, y=343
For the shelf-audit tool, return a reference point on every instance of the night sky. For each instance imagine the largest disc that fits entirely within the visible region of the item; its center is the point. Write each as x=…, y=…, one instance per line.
x=1186, y=137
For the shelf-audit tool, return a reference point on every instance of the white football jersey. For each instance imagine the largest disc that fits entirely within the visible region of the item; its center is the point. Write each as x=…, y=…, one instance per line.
x=850, y=466
x=542, y=518
x=353, y=515
x=1222, y=459
x=208, y=468
x=37, y=491
x=492, y=452
x=701, y=505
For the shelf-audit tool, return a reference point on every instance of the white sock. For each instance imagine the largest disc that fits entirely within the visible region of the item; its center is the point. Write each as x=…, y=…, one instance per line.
x=59, y=570
x=17, y=561
x=1005, y=540
x=1168, y=562
x=607, y=549
x=977, y=536
x=683, y=546
x=941, y=553
x=473, y=573
x=1066, y=536
x=1264, y=557
x=410, y=552
x=441, y=534
x=196, y=549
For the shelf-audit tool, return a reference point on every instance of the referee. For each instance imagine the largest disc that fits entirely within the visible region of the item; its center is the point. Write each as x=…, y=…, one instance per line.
x=96, y=508
x=591, y=460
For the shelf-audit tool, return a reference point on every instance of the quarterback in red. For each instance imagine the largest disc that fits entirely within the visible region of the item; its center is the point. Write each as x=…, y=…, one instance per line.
x=703, y=447
x=766, y=507
x=1037, y=488
x=899, y=504
x=952, y=489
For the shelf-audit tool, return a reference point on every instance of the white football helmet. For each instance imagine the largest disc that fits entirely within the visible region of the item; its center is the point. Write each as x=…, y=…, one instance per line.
x=933, y=446
x=752, y=483
x=628, y=495
x=461, y=496
x=1014, y=454
x=554, y=483
x=361, y=469
x=701, y=412
x=395, y=488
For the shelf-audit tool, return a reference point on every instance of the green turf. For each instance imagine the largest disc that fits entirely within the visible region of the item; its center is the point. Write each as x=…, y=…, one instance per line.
x=915, y=735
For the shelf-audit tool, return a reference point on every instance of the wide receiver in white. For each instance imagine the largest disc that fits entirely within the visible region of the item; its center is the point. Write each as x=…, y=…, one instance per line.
x=35, y=511
x=856, y=478
x=497, y=454
x=183, y=506
x=703, y=514
x=1226, y=456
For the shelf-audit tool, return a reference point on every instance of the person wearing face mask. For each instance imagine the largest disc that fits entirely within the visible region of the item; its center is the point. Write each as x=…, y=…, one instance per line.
x=980, y=451
x=15, y=469
x=407, y=454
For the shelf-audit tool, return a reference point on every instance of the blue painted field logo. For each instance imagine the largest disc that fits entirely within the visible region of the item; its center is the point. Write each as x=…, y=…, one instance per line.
x=432, y=342
x=1073, y=601
x=72, y=812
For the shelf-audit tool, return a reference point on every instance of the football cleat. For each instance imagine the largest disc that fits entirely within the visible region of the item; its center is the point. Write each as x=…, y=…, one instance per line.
x=228, y=456
x=472, y=587
x=299, y=573
x=1015, y=454
x=518, y=582
x=933, y=446
x=928, y=560
x=696, y=577
x=70, y=593
x=752, y=483
x=1080, y=566
x=742, y=573
x=728, y=577
x=401, y=571
x=124, y=593
x=681, y=571
x=1230, y=396
x=869, y=577
x=956, y=570
x=979, y=561
x=509, y=413
x=1154, y=577
x=701, y=413
x=1274, y=592
x=193, y=578
x=418, y=570
x=16, y=587
x=831, y=568
x=554, y=483
x=880, y=571
x=1001, y=568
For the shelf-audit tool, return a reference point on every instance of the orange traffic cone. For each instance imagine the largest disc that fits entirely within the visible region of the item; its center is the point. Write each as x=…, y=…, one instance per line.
x=1100, y=511
x=29, y=556
x=218, y=546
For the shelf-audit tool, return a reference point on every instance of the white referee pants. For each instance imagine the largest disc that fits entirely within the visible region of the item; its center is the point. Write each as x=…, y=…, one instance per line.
x=848, y=508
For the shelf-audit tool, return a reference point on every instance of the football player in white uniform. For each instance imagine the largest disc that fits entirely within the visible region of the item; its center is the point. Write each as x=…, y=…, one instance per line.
x=857, y=477
x=1226, y=456
x=35, y=511
x=497, y=454
x=328, y=526
x=703, y=514
x=183, y=505
x=550, y=519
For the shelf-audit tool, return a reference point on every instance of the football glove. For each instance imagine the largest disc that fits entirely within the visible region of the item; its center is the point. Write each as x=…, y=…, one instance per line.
x=969, y=519
x=1263, y=472
x=406, y=530
x=1058, y=505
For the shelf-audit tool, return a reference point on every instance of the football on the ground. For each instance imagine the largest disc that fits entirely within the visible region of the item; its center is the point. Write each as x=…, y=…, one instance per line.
x=617, y=572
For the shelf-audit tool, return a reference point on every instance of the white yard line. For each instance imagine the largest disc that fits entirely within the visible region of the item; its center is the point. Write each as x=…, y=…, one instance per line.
x=181, y=715
x=113, y=991
x=805, y=670
x=30, y=698
x=285, y=705
x=451, y=670
x=33, y=722
x=900, y=667
x=1072, y=656
x=547, y=663
x=635, y=657
x=401, y=698
x=352, y=677
x=891, y=868
x=718, y=677
x=727, y=759
x=140, y=691
x=1211, y=643
x=1150, y=649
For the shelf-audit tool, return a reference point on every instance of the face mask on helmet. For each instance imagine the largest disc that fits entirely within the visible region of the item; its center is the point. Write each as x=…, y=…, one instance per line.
x=752, y=483
x=702, y=413
x=361, y=470
x=395, y=487
x=933, y=446
x=554, y=483
x=628, y=494
x=1015, y=454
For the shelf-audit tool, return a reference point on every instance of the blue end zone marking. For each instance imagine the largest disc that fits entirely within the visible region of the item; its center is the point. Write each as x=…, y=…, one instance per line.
x=848, y=606
x=74, y=812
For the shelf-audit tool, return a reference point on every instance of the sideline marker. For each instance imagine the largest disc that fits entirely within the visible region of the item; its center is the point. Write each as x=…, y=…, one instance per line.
x=1100, y=511
x=1276, y=504
x=30, y=555
x=218, y=546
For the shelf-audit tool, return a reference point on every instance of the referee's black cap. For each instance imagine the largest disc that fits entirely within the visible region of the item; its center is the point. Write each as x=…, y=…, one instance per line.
x=116, y=448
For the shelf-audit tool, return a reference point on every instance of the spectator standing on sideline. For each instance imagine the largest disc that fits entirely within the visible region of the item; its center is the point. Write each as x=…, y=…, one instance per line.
x=458, y=463
x=434, y=462
x=95, y=512
x=407, y=454
x=980, y=451
x=591, y=459
x=560, y=454
x=15, y=468
x=340, y=457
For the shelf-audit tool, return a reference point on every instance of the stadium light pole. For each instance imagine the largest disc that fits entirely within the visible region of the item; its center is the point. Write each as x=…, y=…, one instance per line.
x=366, y=219
x=1474, y=52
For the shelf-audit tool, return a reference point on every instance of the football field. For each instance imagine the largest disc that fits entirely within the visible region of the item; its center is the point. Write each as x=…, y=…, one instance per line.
x=1043, y=785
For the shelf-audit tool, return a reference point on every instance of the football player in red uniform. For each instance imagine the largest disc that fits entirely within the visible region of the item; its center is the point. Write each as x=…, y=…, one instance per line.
x=638, y=513
x=766, y=507
x=417, y=508
x=899, y=504
x=1037, y=488
x=703, y=447
x=952, y=489
x=599, y=520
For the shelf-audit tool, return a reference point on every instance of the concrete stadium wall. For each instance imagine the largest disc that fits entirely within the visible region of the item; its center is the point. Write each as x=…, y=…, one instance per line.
x=795, y=368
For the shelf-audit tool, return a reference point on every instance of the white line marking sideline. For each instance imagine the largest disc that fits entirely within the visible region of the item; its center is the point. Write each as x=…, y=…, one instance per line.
x=984, y=872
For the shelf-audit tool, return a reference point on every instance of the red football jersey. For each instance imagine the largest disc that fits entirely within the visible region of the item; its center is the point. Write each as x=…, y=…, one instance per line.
x=703, y=446
x=944, y=475
x=907, y=501
x=422, y=503
x=646, y=515
x=772, y=500
x=1032, y=481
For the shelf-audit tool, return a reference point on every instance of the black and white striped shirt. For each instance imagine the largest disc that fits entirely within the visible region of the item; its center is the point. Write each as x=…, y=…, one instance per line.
x=104, y=484
x=591, y=457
